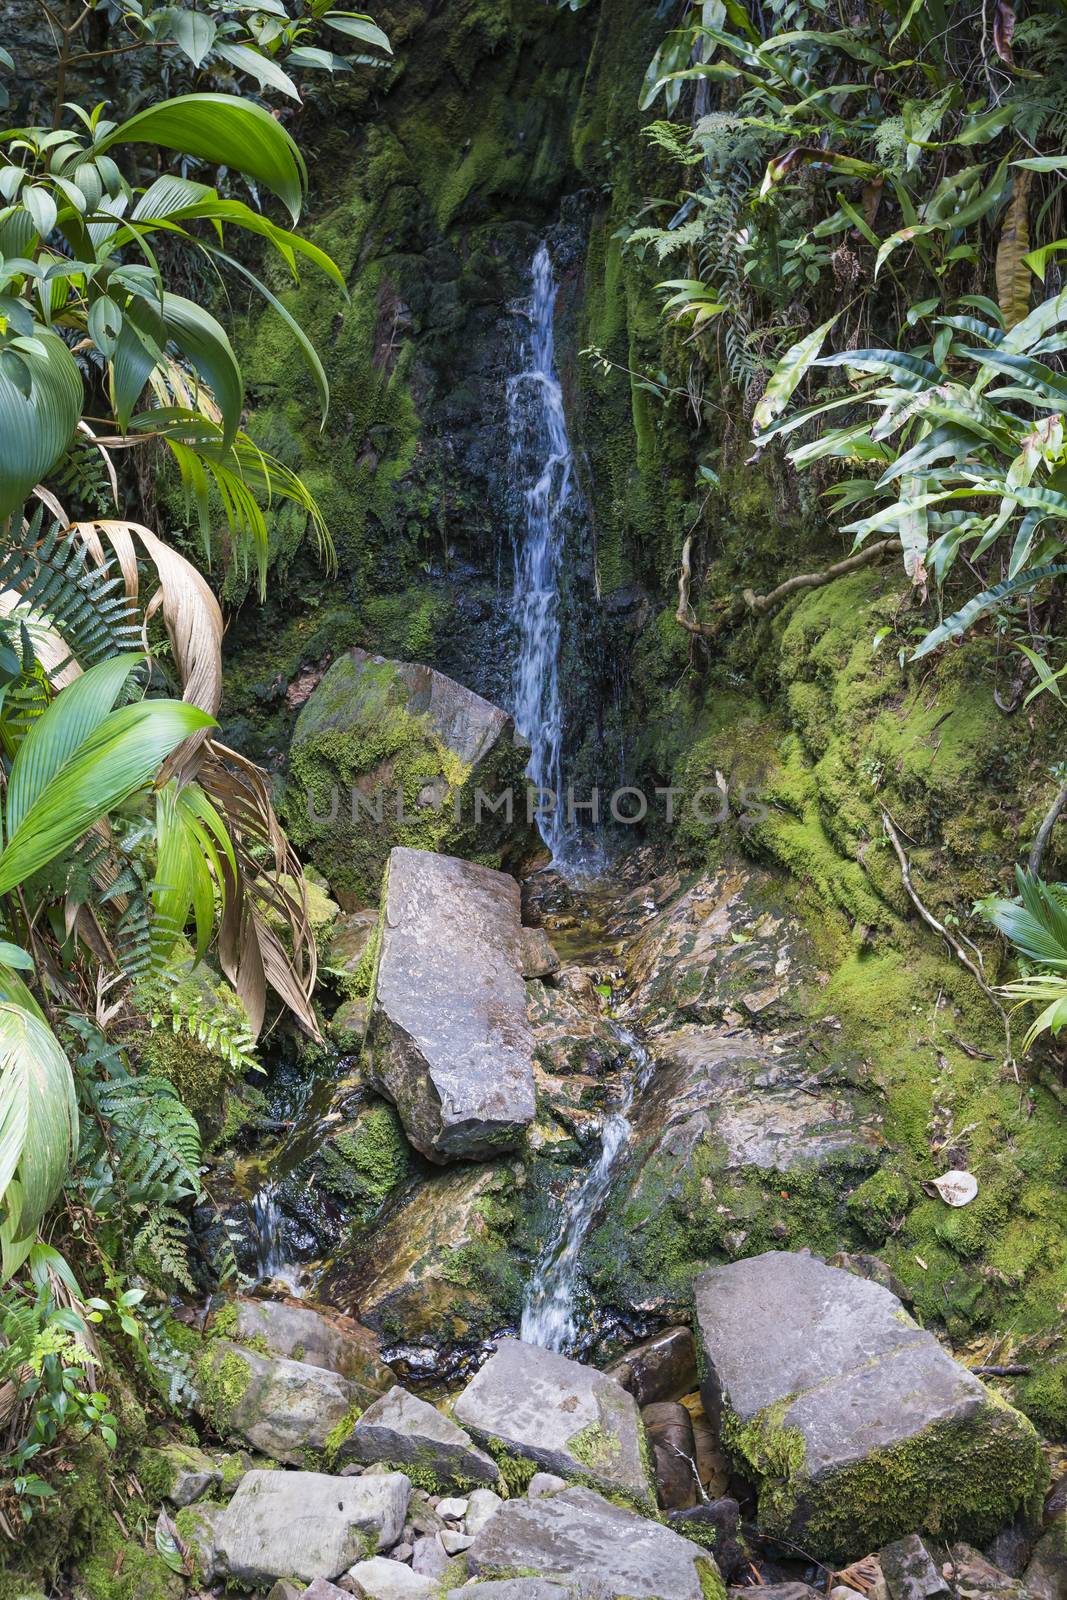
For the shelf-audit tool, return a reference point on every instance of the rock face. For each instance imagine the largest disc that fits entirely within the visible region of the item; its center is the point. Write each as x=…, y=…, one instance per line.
x=411, y=1270
x=307, y=1525
x=447, y=1040
x=857, y=1427
x=566, y=1418
x=662, y=1368
x=406, y=1431
x=279, y=1407
x=578, y=1535
x=391, y=753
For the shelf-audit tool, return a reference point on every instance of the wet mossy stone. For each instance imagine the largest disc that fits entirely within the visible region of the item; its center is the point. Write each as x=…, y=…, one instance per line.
x=854, y=1423
x=316, y=1335
x=415, y=1437
x=283, y=1408
x=391, y=753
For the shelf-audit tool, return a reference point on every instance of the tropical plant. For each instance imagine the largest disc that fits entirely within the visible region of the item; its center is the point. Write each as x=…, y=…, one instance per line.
x=1036, y=925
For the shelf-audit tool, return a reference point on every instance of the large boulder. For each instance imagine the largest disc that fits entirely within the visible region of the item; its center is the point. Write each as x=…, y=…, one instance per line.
x=283, y=1408
x=410, y=1433
x=447, y=1039
x=611, y=1553
x=855, y=1424
x=307, y=1525
x=560, y=1415
x=299, y=1332
x=391, y=753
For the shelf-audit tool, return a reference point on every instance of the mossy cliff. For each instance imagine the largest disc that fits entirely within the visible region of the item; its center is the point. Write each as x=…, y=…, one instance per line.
x=434, y=183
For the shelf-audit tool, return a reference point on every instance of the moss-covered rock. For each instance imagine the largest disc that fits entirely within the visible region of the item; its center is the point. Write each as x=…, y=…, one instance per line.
x=388, y=753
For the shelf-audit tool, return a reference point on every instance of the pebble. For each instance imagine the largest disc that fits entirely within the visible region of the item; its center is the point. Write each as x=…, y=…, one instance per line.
x=452, y=1510
x=454, y=1543
x=429, y=1557
x=545, y=1483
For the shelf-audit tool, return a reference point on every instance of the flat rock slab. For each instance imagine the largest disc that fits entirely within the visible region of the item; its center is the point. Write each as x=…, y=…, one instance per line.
x=856, y=1425
x=581, y=1538
x=319, y=1338
x=406, y=1431
x=565, y=1417
x=517, y=1589
x=448, y=1041
x=307, y=1524
x=278, y=1406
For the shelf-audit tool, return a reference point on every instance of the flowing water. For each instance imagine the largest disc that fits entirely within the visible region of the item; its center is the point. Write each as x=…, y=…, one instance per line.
x=544, y=499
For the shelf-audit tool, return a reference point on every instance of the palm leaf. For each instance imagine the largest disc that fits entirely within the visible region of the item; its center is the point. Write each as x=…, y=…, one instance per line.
x=38, y=1128
x=988, y=600
x=38, y=413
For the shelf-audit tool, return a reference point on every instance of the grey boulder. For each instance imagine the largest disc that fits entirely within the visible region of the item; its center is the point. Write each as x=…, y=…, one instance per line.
x=280, y=1407
x=307, y=1524
x=578, y=1537
x=447, y=1039
x=854, y=1423
x=319, y=1338
x=382, y=1579
x=566, y=1418
x=404, y=1430
x=516, y=1589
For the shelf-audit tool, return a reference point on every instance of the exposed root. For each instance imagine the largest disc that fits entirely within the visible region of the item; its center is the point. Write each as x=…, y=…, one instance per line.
x=1044, y=833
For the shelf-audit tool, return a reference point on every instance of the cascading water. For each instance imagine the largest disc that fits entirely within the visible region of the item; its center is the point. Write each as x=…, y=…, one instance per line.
x=544, y=500
x=549, y=1313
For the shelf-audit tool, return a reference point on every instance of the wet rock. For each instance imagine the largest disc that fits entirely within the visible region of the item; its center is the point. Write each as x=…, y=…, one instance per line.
x=973, y=1577
x=571, y=1035
x=447, y=1040
x=405, y=1431
x=714, y=1524
x=1012, y=1548
x=663, y=1368
x=307, y=1525
x=911, y=1571
x=726, y=950
x=539, y=959
x=349, y=1023
x=362, y=1161
x=389, y=753
x=544, y=1483
x=382, y=1579
x=670, y=1434
x=1045, y=1577
x=200, y=1525
x=569, y=1419
x=482, y=1507
x=279, y=1407
x=415, y=1268
x=348, y=942
x=578, y=1535
x=809, y=1372
x=317, y=1336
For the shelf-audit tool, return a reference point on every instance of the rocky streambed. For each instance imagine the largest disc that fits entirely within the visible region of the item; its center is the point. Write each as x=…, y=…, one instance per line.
x=578, y=1204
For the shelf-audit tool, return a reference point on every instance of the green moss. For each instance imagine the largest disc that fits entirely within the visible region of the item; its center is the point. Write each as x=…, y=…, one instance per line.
x=595, y=1448
x=338, y=1434
x=122, y=1569
x=221, y=1377
x=194, y=1529
x=712, y=1586
x=879, y=1204
x=225, y=1320
x=366, y=1162
x=515, y=1470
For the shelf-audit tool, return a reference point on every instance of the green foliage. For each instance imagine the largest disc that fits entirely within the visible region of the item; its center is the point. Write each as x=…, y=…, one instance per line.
x=1036, y=924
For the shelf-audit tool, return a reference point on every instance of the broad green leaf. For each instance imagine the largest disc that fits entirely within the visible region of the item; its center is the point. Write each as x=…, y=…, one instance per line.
x=983, y=603
x=358, y=26
x=36, y=427
x=13, y=955
x=120, y=756
x=38, y=1129
x=41, y=205
x=265, y=70
x=193, y=33
x=203, y=340
x=224, y=130
x=788, y=373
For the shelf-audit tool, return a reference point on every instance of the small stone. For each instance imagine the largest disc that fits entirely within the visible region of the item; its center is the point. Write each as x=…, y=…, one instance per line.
x=545, y=1483
x=286, y=1589
x=402, y=1552
x=426, y=1521
x=670, y=1433
x=484, y=1505
x=320, y=1589
x=429, y=1557
x=539, y=959
x=351, y=1469
x=910, y=1571
x=781, y=1591
x=841, y=1591
x=453, y=1510
x=382, y=1579
x=1012, y=1548
x=455, y=1543
x=1046, y=1576
x=660, y=1369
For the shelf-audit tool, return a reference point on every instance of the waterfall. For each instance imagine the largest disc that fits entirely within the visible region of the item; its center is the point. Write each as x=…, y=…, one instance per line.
x=543, y=498
x=549, y=1313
